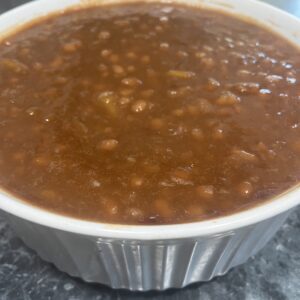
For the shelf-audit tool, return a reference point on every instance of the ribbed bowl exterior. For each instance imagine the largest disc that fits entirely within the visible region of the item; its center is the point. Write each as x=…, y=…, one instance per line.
x=146, y=264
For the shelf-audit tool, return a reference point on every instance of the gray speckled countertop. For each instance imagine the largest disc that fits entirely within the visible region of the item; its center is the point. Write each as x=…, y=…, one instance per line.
x=272, y=274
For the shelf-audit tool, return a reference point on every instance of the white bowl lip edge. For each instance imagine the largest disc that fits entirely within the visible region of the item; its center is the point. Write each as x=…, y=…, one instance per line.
x=216, y=226
x=223, y=225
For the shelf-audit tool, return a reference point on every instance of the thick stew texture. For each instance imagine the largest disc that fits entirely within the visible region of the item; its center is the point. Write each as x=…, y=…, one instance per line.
x=148, y=114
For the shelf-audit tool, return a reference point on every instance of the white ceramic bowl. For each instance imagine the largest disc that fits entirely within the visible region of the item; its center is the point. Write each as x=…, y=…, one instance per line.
x=150, y=257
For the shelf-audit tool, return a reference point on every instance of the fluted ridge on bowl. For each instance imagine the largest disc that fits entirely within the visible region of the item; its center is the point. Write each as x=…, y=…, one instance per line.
x=146, y=265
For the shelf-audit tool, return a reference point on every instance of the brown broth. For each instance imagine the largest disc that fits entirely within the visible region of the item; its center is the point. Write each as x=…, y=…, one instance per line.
x=148, y=114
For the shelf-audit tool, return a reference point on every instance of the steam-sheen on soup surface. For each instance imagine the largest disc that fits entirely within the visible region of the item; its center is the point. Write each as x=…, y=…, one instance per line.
x=148, y=113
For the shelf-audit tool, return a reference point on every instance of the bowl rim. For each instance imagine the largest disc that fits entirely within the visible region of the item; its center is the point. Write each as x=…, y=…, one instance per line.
x=215, y=226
